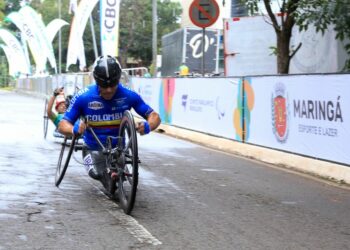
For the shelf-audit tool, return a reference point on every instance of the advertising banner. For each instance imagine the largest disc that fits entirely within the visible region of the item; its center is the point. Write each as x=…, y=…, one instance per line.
x=194, y=53
x=148, y=89
x=109, y=24
x=206, y=105
x=305, y=114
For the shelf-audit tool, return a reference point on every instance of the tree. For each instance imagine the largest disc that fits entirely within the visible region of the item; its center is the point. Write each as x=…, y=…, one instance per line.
x=136, y=29
x=302, y=13
x=323, y=13
x=135, y=32
x=2, y=9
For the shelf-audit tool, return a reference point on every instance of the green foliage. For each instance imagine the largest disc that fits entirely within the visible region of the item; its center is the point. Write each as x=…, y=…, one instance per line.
x=136, y=27
x=2, y=9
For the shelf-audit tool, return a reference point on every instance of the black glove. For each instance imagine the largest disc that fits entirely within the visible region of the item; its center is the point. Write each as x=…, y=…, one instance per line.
x=57, y=91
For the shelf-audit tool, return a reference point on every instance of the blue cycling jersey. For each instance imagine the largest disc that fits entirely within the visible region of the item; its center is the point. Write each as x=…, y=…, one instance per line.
x=104, y=116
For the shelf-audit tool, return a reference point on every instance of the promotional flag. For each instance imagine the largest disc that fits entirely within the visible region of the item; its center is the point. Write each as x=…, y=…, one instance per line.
x=32, y=39
x=109, y=26
x=75, y=45
x=53, y=27
x=32, y=19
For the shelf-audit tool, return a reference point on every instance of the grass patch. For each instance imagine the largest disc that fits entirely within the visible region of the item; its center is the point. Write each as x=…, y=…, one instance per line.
x=8, y=88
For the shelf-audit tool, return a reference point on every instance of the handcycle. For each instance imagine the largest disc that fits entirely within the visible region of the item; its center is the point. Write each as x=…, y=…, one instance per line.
x=120, y=177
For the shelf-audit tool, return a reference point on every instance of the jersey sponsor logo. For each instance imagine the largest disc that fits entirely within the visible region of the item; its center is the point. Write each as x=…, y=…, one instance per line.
x=95, y=105
x=120, y=101
x=104, y=117
x=82, y=91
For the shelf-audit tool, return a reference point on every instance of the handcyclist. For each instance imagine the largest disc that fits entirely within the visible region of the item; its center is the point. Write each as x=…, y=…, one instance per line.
x=58, y=99
x=103, y=105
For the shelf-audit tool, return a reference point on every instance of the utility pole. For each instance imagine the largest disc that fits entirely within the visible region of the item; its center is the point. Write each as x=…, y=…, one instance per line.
x=154, y=37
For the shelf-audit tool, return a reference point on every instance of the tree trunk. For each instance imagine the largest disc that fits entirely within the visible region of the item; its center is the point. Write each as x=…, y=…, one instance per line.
x=283, y=52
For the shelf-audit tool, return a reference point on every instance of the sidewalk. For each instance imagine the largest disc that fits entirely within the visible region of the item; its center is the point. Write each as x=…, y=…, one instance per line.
x=332, y=172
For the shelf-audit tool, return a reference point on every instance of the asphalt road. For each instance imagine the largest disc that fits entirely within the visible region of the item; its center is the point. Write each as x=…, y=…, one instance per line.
x=189, y=197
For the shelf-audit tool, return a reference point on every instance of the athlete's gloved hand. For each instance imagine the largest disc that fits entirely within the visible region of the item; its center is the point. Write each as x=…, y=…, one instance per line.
x=57, y=91
x=146, y=128
x=76, y=128
x=143, y=128
x=79, y=128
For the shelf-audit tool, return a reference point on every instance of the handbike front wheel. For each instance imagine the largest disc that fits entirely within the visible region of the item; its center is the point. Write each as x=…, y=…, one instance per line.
x=128, y=176
x=46, y=118
x=64, y=158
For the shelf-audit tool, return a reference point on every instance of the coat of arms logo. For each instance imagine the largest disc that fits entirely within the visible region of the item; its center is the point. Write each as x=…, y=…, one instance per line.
x=280, y=113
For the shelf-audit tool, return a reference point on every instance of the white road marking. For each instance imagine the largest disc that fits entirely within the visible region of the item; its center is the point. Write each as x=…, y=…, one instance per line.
x=128, y=222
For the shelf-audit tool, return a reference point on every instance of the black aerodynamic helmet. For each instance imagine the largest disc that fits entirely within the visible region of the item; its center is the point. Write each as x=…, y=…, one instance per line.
x=107, y=71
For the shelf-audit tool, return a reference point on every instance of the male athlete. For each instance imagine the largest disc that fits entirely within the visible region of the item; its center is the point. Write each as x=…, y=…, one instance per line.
x=103, y=105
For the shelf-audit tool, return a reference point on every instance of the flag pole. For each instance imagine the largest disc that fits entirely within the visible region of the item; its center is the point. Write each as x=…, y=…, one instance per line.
x=93, y=36
x=59, y=40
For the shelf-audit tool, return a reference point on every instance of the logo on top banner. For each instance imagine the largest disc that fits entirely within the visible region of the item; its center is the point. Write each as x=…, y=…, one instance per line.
x=280, y=113
x=184, y=101
x=196, y=45
x=220, y=108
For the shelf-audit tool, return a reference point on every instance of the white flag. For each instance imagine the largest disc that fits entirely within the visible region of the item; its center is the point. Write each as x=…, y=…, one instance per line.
x=72, y=6
x=53, y=27
x=109, y=26
x=32, y=38
x=75, y=44
x=32, y=19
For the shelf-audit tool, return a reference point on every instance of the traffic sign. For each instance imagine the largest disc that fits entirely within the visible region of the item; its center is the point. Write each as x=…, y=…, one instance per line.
x=204, y=13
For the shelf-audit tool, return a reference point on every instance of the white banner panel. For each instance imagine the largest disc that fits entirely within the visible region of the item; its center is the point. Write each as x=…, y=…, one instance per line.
x=148, y=89
x=75, y=44
x=19, y=64
x=206, y=105
x=53, y=27
x=109, y=24
x=318, y=53
x=33, y=41
x=32, y=19
x=249, y=53
x=305, y=114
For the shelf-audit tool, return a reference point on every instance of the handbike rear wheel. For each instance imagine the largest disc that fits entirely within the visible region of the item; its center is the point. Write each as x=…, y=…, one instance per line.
x=64, y=158
x=128, y=176
x=46, y=118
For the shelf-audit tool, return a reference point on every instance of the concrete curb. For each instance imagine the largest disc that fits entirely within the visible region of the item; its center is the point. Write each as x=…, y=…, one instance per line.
x=336, y=173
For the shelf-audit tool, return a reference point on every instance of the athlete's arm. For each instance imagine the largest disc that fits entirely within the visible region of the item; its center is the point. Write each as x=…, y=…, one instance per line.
x=70, y=124
x=68, y=129
x=65, y=128
x=51, y=114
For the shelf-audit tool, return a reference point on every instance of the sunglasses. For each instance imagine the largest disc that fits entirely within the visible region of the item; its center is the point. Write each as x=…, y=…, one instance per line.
x=106, y=85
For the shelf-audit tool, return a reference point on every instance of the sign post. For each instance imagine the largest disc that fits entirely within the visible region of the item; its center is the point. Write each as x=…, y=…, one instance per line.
x=204, y=13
